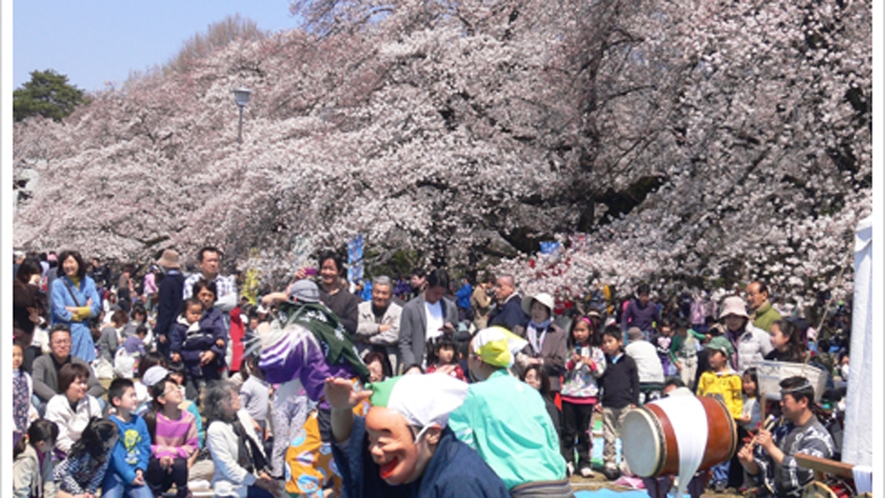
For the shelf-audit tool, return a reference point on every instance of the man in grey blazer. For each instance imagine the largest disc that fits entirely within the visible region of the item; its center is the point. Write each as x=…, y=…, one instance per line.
x=378, y=322
x=424, y=318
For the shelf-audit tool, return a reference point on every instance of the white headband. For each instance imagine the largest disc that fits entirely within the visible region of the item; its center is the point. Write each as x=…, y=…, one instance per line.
x=790, y=390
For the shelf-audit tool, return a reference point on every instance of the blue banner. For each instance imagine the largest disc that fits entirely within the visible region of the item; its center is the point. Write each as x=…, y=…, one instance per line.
x=355, y=259
x=550, y=247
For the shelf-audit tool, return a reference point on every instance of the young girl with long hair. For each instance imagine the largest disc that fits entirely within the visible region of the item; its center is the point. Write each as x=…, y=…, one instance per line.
x=83, y=469
x=537, y=377
x=585, y=365
x=787, y=342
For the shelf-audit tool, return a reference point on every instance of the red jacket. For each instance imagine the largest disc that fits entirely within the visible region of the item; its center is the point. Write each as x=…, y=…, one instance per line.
x=237, y=332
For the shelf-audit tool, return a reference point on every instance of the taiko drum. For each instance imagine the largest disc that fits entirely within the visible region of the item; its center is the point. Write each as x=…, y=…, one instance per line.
x=649, y=440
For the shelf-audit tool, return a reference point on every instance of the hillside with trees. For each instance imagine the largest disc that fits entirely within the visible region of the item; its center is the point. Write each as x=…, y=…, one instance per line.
x=704, y=141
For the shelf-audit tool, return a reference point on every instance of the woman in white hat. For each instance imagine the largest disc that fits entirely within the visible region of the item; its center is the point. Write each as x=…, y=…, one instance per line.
x=750, y=343
x=547, y=342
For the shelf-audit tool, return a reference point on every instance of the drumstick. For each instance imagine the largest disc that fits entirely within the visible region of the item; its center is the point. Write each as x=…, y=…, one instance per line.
x=769, y=423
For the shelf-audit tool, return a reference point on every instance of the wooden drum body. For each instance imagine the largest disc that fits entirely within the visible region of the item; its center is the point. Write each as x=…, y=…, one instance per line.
x=651, y=435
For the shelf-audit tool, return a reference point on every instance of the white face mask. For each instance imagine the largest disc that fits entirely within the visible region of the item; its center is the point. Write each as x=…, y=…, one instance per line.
x=35, y=279
x=421, y=433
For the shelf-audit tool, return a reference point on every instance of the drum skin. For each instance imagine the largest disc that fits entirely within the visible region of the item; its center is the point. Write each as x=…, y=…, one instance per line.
x=722, y=440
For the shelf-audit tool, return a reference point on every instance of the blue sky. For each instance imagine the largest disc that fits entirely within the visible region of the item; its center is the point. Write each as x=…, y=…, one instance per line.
x=98, y=41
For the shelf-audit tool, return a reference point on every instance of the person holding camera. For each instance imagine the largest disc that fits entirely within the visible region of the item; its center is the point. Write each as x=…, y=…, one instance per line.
x=333, y=291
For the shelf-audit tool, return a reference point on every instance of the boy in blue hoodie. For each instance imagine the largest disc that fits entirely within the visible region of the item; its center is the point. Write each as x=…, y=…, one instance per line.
x=129, y=458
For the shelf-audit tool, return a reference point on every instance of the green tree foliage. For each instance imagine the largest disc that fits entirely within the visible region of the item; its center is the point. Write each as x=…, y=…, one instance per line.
x=48, y=94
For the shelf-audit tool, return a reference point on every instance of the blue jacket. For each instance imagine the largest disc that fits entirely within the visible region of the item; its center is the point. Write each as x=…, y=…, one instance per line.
x=191, y=346
x=463, y=296
x=455, y=471
x=132, y=451
x=82, y=345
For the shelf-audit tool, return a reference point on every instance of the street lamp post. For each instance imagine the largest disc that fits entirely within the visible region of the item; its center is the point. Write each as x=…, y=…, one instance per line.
x=241, y=96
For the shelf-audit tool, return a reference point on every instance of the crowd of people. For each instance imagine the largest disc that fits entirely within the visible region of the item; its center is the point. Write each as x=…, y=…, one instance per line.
x=174, y=382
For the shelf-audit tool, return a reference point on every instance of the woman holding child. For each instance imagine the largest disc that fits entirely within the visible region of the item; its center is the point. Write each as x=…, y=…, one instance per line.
x=198, y=338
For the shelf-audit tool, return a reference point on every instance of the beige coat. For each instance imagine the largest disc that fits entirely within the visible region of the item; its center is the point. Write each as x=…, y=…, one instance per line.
x=28, y=479
x=482, y=306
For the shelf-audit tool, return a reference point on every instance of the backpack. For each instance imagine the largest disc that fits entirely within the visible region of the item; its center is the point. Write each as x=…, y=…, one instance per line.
x=125, y=363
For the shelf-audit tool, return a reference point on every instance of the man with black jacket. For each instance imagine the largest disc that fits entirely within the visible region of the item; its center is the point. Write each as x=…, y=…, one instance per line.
x=508, y=313
x=101, y=274
x=169, y=298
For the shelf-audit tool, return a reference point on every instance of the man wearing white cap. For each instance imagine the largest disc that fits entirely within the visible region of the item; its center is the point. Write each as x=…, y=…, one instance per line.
x=403, y=446
x=520, y=445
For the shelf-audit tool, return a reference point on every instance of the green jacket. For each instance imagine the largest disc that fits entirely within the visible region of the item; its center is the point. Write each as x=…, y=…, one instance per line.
x=765, y=316
x=521, y=446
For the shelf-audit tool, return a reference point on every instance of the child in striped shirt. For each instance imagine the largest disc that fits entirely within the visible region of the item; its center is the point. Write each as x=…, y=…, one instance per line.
x=173, y=437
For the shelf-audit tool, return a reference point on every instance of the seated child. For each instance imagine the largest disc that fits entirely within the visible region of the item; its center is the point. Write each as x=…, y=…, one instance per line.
x=22, y=388
x=174, y=435
x=178, y=373
x=141, y=384
x=32, y=466
x=129, y=355
x=83, y=469
x=255, y=395
x=537, y=377
x=130, y=456
x=200, y=465
x=111, y=336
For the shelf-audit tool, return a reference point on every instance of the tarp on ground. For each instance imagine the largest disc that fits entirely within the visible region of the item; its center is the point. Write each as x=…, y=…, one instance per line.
x=609, y=493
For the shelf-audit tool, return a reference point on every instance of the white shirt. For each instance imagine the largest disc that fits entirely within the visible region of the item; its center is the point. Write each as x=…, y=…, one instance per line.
x=435, y=320
x=647, y=362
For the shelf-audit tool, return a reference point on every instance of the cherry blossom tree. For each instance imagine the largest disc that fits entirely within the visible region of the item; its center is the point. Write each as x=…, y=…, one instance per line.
x=704, y=142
